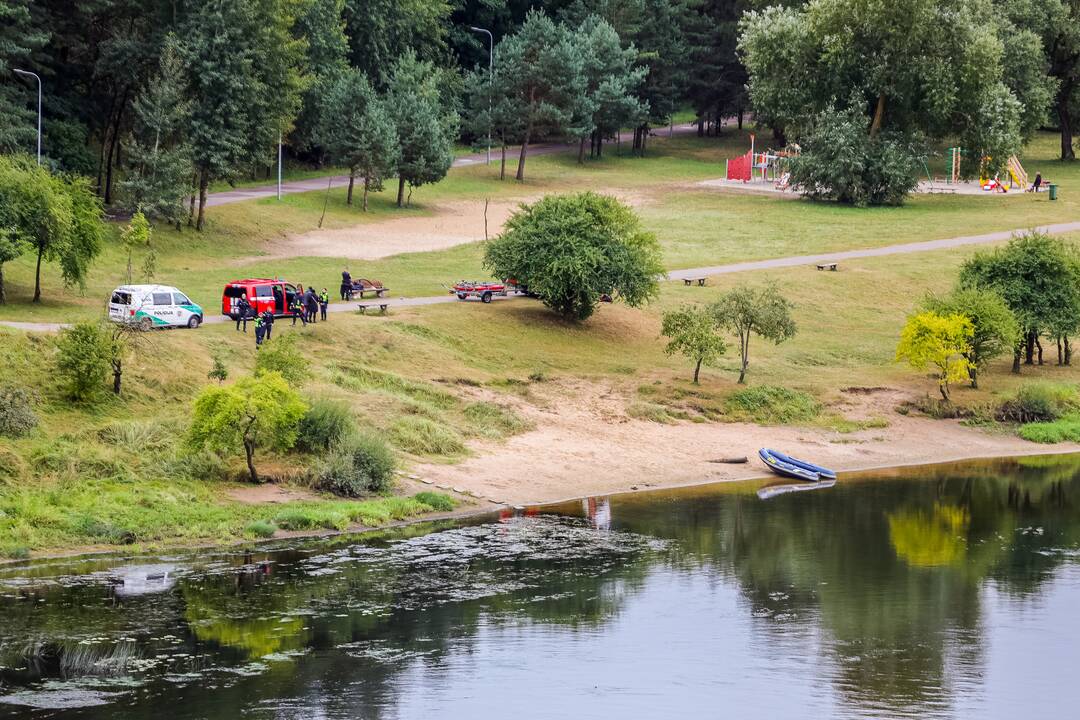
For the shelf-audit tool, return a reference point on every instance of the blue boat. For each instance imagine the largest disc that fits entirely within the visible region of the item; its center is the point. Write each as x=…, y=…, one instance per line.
x=787, y=466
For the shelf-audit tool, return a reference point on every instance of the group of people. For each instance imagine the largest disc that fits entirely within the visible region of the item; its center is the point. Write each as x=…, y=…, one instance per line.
x=306, y=306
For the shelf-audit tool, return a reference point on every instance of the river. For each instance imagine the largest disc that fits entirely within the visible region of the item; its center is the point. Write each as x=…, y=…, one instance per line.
x=947, y=591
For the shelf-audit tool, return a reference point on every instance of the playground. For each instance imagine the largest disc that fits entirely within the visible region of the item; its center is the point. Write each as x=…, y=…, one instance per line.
x=768, y=172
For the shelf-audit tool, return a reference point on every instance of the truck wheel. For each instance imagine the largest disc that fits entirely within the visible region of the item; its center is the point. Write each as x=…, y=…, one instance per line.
x=486, y=297
x=146, y=324
x=194, y=321
x=461, y=296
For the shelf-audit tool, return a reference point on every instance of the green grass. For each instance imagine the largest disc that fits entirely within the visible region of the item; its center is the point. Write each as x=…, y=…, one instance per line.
x=422, y=436
x=1066, y=429
x=772, y=405
x=439, y=502
x=489, y=420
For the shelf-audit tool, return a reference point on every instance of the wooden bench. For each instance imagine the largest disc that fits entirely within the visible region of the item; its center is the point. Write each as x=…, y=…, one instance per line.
x=690, y=281
x=827, y=266
x=363, y=307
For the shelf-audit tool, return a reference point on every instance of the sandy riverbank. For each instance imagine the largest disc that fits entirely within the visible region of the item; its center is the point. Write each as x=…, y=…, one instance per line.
x=590, y=447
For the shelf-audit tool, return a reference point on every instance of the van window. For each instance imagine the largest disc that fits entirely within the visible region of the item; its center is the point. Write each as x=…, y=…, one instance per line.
x=162, y=298
x=263, y=291
x=235, y=291
x=121, y=298
x=181, y=299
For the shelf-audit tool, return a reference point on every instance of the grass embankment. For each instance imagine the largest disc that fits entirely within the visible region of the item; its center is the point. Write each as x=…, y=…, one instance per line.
x=696, y=226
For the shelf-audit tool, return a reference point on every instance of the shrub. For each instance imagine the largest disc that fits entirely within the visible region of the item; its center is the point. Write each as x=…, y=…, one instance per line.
x=325, y=424
x=650, y=411
x=494, y=421
x=283, y=356
x=841, y=162
x=364, y=464
x=1037, y=402
x=571, y=250
x=17, y=417
x=84, y=361
x=435, y=501
x=261, y=529
x=421, y=436
x=771, y=405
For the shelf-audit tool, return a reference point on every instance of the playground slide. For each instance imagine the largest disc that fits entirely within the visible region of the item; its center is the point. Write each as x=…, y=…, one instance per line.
x=1017, y=173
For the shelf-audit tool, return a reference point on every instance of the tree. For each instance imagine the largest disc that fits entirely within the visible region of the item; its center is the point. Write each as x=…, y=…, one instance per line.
x=717, y=79
x=573, y=250
x=254, y=413
x=491, y=107
x=994, y=327
x=245, y=82
x=693, y=333
x=83, y=360
x=747, y=311
x=19, y=38
x=322, y=24
x=123, y=340
x=545, y=79
x=841, y=162
x=357, y=131
x=58, y=217
x=611, y=81
x=381, y=31
x=135, y=235
x=857, y=55
x=425, y=129
x=159, y=179
x=939, y=341
x=1039, y=279
x=284, y=358
x=11, y=247
x=665, y=53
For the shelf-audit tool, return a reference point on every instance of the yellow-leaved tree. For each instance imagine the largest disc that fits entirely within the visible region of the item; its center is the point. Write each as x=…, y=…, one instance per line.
x=942, y=342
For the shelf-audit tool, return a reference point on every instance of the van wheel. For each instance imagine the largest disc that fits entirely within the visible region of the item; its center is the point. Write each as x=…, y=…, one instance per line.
x=194, y=321
x=146, y=324
x=486, y=297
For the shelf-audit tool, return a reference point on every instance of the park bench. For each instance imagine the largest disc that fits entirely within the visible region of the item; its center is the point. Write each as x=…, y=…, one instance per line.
x=363, y=307
x=827, y=266
x=699, y=280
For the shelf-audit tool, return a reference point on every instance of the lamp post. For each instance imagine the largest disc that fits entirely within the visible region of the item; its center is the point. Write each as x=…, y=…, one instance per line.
x=27, y=73
x=491, y=81
x=279, y=166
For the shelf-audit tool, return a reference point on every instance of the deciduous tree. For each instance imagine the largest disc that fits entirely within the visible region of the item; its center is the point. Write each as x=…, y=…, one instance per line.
x=942, y=342
x=994, y=327
x=748, y=311
x=695, y=334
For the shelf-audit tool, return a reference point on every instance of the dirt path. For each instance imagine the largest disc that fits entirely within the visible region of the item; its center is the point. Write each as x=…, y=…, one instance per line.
x=588, y=445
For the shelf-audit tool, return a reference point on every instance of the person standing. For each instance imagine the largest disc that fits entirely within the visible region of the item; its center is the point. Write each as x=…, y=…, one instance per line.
x=312, y=304
x=243, y=307
x=298, y=309
x=324, y=302
x=346, y=285
x=268, y=322
x=260, y=331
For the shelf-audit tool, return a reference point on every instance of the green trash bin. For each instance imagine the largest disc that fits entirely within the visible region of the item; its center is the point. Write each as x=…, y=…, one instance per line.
x=1053, y=191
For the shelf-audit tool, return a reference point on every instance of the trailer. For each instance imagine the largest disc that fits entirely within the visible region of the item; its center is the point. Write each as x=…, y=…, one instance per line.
x=483, y=290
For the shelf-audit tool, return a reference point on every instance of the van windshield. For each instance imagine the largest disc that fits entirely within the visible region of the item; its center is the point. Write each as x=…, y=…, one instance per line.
x=121, y=298
x=235, y=291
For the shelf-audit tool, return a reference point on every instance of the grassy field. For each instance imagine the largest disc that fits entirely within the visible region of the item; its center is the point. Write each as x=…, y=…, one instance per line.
x=696, y=226
x=432, y=379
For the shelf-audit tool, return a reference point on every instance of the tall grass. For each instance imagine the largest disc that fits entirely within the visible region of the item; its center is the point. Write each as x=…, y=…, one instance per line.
x=421, y=436
x=771, y=405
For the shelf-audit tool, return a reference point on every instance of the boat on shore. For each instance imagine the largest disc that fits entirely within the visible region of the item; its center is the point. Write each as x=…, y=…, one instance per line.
x=787, y=466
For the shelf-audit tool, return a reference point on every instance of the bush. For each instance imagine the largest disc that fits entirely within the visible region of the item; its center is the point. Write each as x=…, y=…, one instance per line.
x=771, y=405
x=571, y=250
x=435, y=501
x=327, y=423
x=261, y=529
x=283, y=356
x=840, y=161
x=17, y=417
x=362, y=465
x=1037, y=402
x=84, y=361
x=421, y=436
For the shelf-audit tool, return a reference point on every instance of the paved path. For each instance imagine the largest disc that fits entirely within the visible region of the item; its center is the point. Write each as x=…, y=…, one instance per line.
x=298, y=186
x=771, y=263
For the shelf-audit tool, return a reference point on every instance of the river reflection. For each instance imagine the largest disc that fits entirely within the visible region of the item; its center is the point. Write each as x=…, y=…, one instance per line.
x=946, y=591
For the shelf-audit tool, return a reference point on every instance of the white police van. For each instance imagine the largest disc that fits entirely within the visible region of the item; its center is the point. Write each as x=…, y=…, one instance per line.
x=151, y=306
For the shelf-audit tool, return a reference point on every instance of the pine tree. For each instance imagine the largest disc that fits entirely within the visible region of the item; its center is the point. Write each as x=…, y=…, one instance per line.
x=425, y=128
x=159, y=180
x=611, y=83
x=18, y=39
x=357, y=132
x=323, y=26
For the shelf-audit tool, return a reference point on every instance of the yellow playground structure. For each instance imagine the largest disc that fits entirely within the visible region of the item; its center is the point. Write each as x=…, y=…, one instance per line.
x=1017, y=177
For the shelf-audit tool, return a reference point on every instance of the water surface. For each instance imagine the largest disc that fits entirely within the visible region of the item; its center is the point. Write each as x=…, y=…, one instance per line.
x=942, y=592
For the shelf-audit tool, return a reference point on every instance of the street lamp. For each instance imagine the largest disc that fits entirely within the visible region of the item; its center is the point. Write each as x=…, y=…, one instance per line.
x=491, y=81
x=27, y=73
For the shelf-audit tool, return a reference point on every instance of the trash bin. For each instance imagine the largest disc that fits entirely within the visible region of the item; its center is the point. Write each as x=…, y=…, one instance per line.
x=1053, y=191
